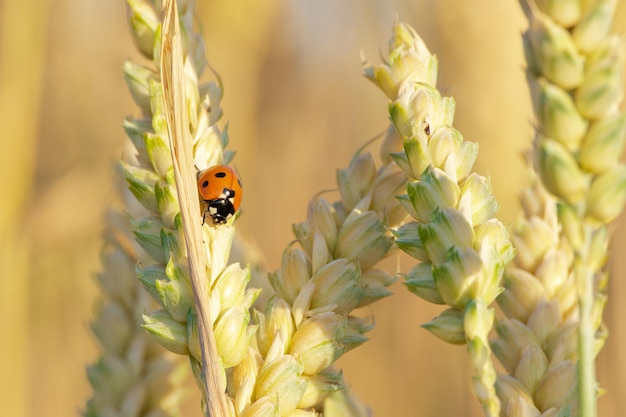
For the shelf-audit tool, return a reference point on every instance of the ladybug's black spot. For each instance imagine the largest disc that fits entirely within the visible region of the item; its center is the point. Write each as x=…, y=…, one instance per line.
x=239, y=182
x=220, y=174
x=205, y=184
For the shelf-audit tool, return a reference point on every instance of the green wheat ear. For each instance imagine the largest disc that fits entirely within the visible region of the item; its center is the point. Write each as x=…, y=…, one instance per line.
x=158, y=229
x=536, y=340
x=461, y=248
x=556, y=289
x=132, y=373
x=325, y=275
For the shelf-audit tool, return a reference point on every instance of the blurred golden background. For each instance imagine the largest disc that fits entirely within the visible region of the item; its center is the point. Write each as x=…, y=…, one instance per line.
x=298, y=107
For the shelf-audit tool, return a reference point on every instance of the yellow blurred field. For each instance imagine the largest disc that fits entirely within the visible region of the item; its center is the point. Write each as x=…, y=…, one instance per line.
x=298, y=108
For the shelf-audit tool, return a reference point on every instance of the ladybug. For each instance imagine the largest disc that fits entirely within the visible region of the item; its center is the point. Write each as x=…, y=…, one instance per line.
x=220, y=189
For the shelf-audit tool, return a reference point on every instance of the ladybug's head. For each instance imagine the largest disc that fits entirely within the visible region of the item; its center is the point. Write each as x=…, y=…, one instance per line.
x=220, y=210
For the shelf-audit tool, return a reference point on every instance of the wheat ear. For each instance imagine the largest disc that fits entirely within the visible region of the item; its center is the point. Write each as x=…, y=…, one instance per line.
x=536, y=340
x=461, y=247
x=307, y=325
x=132, y=376
x=575, y=72
x=160, y=232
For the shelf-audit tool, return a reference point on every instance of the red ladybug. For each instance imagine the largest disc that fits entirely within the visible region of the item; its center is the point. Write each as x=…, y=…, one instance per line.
x=220, y=189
